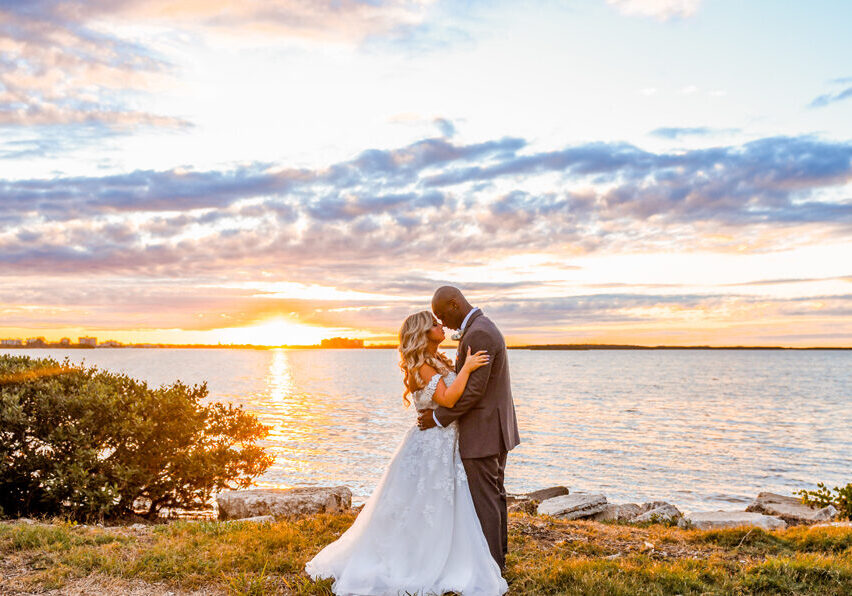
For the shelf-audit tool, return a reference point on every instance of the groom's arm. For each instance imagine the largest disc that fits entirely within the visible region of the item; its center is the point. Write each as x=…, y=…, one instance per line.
x=476, y=384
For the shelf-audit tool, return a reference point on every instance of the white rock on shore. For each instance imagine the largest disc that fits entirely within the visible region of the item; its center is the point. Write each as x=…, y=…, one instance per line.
x=548, y=493
x=790, y=509
x=618, y=512
x=574, y=506
x=527, y=502
x=712, y=520
x=662, y=513
x=283, y=501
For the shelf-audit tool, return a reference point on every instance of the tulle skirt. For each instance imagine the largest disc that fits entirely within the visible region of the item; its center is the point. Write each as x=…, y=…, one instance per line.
x=418, y=533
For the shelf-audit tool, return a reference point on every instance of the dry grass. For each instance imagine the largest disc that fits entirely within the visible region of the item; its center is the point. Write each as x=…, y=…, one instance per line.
x=546, y=557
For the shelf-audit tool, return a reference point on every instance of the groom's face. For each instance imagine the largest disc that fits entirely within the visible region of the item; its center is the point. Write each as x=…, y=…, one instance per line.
x=448, y=312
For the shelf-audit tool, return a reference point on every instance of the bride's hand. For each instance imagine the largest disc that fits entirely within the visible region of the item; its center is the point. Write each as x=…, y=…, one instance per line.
x=472, y=362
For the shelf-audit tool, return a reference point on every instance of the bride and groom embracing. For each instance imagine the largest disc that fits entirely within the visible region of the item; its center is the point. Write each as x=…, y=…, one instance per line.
x=437, y=520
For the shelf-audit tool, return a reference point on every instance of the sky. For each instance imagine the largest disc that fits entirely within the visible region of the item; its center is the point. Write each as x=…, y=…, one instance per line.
x=649, y=172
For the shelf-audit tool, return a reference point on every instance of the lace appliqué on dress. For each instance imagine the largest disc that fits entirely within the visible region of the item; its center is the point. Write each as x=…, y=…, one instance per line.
x=423, y=398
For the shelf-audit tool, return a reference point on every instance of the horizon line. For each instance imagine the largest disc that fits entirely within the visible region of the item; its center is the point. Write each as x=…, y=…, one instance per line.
x=379, y=346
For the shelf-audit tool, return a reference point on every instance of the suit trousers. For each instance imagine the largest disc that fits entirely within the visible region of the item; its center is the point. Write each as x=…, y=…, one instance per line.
x=485, y=479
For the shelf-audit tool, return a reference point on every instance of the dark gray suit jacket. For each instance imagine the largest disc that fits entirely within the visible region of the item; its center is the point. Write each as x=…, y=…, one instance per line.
x=485, y=411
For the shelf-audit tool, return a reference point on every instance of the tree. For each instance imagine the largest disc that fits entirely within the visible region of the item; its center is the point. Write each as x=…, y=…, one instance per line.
x=93, y=444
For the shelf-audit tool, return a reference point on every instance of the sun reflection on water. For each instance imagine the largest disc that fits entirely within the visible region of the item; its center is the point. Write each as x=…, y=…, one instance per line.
x=300, y=424
x=279, y=379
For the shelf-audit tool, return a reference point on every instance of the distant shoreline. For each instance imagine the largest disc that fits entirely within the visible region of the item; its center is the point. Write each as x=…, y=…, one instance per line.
x=551, y=347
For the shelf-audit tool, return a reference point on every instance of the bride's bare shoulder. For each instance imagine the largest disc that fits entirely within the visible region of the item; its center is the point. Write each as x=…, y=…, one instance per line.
x=427, y=372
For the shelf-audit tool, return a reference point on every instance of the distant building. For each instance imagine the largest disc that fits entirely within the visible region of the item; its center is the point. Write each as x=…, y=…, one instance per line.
x=88, y=341
x=342, y=342
x=11, y=342
x=110, y=343
x=36, y=342
x=65, y=341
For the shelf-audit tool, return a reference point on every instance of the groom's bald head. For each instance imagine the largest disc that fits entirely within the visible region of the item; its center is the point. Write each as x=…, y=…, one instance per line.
x=450, y=306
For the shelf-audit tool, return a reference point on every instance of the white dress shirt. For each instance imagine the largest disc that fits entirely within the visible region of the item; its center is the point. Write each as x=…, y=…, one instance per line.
x=461, y=330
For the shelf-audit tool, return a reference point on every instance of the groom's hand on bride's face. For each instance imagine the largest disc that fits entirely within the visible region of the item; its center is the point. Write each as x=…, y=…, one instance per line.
x=425, y=420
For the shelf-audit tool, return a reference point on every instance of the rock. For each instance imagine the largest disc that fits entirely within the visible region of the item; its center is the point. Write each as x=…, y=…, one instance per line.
x=711, y=520
x=836, y=524
x=240, y=504
x=547, y=493
x=628, y=512
x=25, y=520
x=653, y=505
x=138, y=526
x=574, y=506
x=790, y=509
x=664, y=514
x=618, y=512
x=527, y=503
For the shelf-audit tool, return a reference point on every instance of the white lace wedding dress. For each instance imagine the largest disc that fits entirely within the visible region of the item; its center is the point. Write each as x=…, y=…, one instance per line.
x=418, y=533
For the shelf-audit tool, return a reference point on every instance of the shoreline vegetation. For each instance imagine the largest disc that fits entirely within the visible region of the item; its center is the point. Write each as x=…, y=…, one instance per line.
x=546, y=556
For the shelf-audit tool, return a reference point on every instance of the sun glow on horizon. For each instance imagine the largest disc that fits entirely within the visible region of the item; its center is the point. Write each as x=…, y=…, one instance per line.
x=278, y=331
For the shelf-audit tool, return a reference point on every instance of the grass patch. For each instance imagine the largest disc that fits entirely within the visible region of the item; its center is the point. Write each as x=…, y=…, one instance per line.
x=547, y=556
x=828, y=539
x=744, y=539
x=801, y=574
x=54, y=537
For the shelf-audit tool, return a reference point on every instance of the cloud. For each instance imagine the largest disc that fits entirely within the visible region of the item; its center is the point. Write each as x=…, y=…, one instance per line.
x=791, y=280
x=321, y=19
x=201, y=305
x=676, y=133
x=433, y=197
x=830, y=98
x=354, y=20
x=446, y=127
x=660, y=9
x=63, y=70
x=63, y=84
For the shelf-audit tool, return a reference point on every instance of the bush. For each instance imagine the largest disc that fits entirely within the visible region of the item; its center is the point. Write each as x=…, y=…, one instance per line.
x=85, y=443
x=822, y=497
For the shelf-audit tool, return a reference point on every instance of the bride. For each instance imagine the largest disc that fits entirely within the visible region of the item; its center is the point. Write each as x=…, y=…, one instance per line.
x=418, y=532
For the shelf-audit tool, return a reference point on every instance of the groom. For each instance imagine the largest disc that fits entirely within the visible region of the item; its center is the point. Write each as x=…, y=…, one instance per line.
x=488, y=429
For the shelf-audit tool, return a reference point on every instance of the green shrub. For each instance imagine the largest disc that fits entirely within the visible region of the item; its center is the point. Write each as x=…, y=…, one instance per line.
x=86, y=443
x=822, y=497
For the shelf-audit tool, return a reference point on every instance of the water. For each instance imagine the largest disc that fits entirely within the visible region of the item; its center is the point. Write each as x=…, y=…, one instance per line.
x=704, y=429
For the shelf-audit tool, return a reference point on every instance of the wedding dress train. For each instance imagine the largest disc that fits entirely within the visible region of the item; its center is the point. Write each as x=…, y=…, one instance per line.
x=418, y=533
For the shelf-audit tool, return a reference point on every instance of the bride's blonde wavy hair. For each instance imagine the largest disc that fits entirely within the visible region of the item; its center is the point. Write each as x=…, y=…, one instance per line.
x=413, y=353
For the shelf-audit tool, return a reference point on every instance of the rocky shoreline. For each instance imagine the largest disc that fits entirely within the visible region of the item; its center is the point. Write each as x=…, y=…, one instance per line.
x=768, y=511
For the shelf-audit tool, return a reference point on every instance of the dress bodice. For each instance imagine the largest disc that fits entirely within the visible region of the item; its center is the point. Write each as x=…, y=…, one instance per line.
x=423, y=398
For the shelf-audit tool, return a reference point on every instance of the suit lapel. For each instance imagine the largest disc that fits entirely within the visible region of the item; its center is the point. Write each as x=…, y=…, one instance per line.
x=461, y=351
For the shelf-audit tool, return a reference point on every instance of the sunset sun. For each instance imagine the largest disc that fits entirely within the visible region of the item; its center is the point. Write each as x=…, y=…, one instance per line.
x=277, y=331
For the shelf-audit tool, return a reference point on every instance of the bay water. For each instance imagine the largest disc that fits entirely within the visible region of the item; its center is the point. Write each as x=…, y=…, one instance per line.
x=703, y=429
